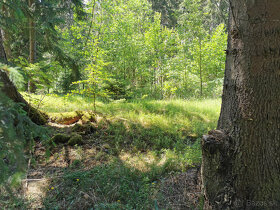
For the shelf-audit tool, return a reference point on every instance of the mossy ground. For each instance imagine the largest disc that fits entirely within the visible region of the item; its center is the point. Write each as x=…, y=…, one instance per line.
x=133, y=155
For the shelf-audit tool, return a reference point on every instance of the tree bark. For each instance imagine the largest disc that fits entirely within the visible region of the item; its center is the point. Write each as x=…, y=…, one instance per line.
x=5, y=34
x=32, y=44
x=241, y=162
x=3, y=57
x=9, y=89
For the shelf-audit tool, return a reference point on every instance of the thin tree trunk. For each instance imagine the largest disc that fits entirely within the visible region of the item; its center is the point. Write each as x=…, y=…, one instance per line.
x=75, y=73
x=91, y=23
x=3, y=57
x=200, y=69
x=6, y=35
x=94, y=101
x=32, y=45
x=241, y=163
x=7, y=44
x=161, y=80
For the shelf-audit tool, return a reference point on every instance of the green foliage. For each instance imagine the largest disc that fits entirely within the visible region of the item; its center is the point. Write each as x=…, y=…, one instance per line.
x=16, y=132
x=75, y=139
x=168, y=9
x=125, y=49
x=17, y=136
x=134, y=146
x=60, y=138
x=128, y=53
x=143, y=124
x=11, y=147
x=115, y=186
x=42, y=73
x=14, y=74
x=208, y=60
x=117, y=89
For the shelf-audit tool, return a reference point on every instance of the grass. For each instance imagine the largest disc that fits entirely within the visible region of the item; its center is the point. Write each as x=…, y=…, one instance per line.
x=136, y=145
x=110, y=186
x=191, y=117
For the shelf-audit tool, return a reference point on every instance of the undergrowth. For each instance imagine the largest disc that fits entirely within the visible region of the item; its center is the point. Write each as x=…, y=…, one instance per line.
x=108, y=186
x=136, y=145
x=17, y=136
x=190, y=118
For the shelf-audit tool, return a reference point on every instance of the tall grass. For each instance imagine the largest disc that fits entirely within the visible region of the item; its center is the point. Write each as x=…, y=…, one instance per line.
x=193, y=117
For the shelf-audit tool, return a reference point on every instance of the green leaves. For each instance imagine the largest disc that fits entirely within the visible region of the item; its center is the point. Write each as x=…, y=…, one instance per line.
x=158, y=49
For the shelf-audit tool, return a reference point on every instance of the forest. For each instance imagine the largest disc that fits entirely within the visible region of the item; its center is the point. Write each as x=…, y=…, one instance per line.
x=116, y=49
x=104, y=104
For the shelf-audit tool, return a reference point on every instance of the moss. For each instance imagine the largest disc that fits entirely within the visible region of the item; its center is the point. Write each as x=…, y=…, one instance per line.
x=88, y=117
x=78, y=128
x=38, y=117
x=87, y=128
x=66, y=118
x=75, y=139
x=60, y=138
x=90, y=128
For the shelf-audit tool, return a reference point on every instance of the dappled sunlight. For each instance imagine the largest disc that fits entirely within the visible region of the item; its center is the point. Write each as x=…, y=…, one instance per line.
x=167, y=160
x=141, y=162
x=35, y=191
x=57, y=103
x=129, y=152
x=194, y=117
x=104, y=103
x=41, y=183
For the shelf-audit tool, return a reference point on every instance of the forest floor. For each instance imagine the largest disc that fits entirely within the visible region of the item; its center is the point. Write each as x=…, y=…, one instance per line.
x=127, y=155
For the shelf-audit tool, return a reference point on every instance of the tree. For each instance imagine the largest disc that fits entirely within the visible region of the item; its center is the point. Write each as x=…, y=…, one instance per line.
x=241, y=162
x=9, y=89
x=3, y=56
x=217, y=11
x=168, y=10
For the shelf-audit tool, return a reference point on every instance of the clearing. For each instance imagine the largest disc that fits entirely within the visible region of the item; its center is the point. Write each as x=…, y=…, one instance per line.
x=128, y=155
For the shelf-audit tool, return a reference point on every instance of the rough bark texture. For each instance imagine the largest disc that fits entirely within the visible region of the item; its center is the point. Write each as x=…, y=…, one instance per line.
x=241, y=161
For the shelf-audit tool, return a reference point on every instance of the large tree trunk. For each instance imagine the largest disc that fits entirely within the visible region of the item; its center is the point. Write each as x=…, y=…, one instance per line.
x=241, y=161
x=7, y=87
